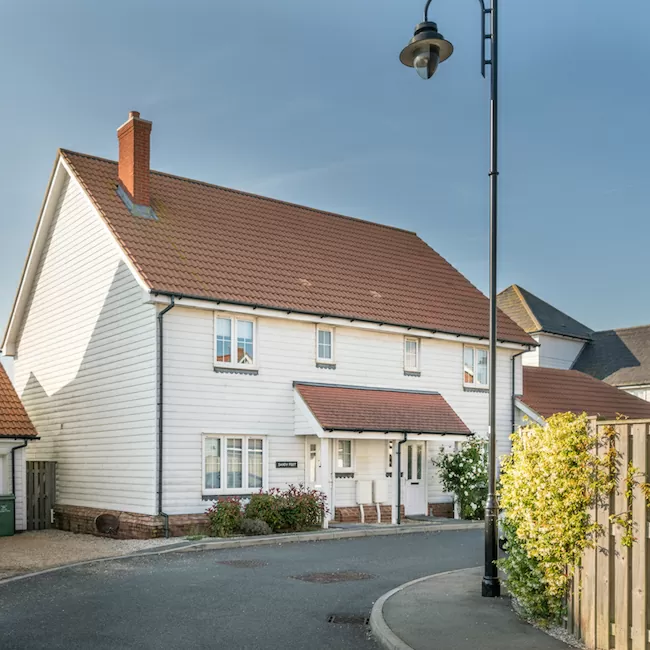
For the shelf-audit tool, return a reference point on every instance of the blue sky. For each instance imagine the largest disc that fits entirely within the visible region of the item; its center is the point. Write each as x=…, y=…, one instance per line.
x=307, y=102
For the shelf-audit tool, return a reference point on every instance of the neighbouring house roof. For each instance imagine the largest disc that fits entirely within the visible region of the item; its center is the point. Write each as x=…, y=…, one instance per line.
x=549, y=390
x=619, y=357
x=350, y=408
x=220, y=244
x=14, y=421
x=533, y=314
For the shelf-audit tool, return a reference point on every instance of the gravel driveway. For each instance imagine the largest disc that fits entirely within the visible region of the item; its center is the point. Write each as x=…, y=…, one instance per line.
x=43, y=549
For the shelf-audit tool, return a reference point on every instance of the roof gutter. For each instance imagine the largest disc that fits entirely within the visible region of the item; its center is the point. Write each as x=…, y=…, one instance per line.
x=160, y=415
x=290, y=310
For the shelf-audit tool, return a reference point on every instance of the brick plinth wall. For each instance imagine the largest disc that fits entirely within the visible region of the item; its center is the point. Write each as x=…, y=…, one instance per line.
x=352, y=514
x=132, y=525
x=441, y=510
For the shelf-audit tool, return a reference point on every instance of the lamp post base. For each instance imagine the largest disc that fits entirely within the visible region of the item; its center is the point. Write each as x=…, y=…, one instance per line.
x=490, y=587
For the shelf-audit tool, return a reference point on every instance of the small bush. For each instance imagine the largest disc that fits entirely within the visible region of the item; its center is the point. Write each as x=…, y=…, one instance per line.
x=225, y=517
x=302, y=507
x=266, y=506
x=254, y=527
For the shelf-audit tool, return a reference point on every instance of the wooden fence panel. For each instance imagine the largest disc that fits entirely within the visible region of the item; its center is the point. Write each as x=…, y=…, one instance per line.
x=608, y=603
x=41, y=493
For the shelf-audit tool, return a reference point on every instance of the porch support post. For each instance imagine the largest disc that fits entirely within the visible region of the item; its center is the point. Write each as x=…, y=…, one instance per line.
x=325, y=478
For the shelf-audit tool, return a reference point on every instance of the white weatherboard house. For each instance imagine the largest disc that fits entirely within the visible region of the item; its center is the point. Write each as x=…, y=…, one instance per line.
x=176, y=341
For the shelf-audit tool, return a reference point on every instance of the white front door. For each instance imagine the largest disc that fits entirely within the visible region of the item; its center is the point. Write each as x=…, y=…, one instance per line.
x=312, y=463
x=414, y=479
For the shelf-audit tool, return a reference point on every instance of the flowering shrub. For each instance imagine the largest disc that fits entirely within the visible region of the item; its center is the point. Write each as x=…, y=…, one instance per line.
x=548, y=483
x=296, y=508
x=464, y=473
x=225, y=516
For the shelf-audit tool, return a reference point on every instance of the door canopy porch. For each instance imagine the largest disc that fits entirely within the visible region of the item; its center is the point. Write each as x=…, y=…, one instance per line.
x=356, y=411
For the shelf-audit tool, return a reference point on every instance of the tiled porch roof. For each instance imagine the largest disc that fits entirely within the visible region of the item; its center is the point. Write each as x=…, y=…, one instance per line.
x=14, y=421
x=352, y=408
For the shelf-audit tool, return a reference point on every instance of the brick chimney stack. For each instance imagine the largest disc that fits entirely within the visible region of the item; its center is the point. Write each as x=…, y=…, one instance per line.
x=133, y=166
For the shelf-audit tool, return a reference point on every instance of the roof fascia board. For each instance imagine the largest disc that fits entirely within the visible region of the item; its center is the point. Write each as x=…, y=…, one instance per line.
x=343, y=434
x=526, y=410
x=39, y=237
x=581, y=339
x=268, y=312
x=316, y=428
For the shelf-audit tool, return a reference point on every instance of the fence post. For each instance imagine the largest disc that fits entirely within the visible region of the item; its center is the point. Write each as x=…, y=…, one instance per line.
x=621, y=552
x=640, y=558
x=604, y=548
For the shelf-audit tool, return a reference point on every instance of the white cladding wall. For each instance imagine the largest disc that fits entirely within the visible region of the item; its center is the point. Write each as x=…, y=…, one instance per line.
x=640, y=391
x=553, y=352
x=85, y=365
x=199, y=400
x=5, y=478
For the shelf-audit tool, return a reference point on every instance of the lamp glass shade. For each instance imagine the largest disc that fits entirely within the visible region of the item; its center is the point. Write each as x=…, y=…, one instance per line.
x=426, y=62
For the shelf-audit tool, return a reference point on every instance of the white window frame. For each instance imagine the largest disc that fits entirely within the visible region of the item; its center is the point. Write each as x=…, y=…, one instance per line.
x=224, y=464
x=336, y=458
x=475, y=383
x=234, y=319
x=326, y=328
x=416, y=367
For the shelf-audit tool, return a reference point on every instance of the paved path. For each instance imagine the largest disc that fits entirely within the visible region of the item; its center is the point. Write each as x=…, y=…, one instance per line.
x=447, y=612
x=194, y=600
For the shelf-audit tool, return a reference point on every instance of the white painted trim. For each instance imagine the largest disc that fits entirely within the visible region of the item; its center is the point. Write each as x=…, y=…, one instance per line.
x=380, y=435
x=526, y=410
x=39, y=239
x=335, y=321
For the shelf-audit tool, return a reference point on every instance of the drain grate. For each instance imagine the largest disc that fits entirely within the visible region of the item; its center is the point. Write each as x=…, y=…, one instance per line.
x=331, y=578
x=244, y=564
x=348, y=619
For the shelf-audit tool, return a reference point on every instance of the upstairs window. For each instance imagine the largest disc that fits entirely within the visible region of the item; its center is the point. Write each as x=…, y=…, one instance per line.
x=411, y=354
x=235, y=341
x=324, y=344
x=475, y=367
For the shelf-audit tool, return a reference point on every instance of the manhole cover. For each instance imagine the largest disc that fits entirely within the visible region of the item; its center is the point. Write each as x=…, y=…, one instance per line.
x=348, y=619
x=337, y=576
x=244, y=564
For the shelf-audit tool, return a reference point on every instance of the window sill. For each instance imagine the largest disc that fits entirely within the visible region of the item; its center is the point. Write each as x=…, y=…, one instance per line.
x=475, y=389
x=344, y=475
x=237, y=371
x=412, y=373
x=326, y=365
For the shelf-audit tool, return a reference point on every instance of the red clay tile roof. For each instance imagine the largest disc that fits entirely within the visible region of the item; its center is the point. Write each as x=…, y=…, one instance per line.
x=14, y=421
x=346, y=408
x=216, y=243
x=549, y=390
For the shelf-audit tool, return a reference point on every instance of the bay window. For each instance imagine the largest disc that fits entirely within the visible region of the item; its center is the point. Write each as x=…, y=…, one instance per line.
x=475, y=367
x=243, y=461
x=234, y=340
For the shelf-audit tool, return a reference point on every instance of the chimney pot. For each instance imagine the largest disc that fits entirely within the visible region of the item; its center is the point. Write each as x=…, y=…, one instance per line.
x=133, y=164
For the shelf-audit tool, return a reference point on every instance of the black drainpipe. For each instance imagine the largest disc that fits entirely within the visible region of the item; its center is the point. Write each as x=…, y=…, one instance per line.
x=399, y=479
x=13, y=473
x=514, y=356
x=160, y=414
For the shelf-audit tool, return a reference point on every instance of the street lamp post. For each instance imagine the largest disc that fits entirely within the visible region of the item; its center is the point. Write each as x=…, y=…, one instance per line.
x=425, y=51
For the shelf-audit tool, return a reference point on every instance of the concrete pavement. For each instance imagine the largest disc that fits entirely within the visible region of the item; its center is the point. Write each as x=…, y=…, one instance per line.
x=447, y=612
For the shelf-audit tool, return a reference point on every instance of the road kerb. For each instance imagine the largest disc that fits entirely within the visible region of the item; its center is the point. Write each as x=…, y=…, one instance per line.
x=380, y=629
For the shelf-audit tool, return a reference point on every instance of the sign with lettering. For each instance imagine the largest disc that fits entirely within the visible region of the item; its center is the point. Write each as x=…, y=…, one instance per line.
x=286, y=464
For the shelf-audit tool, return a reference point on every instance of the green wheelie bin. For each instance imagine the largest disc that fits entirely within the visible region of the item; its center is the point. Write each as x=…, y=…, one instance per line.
x=7, y=515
